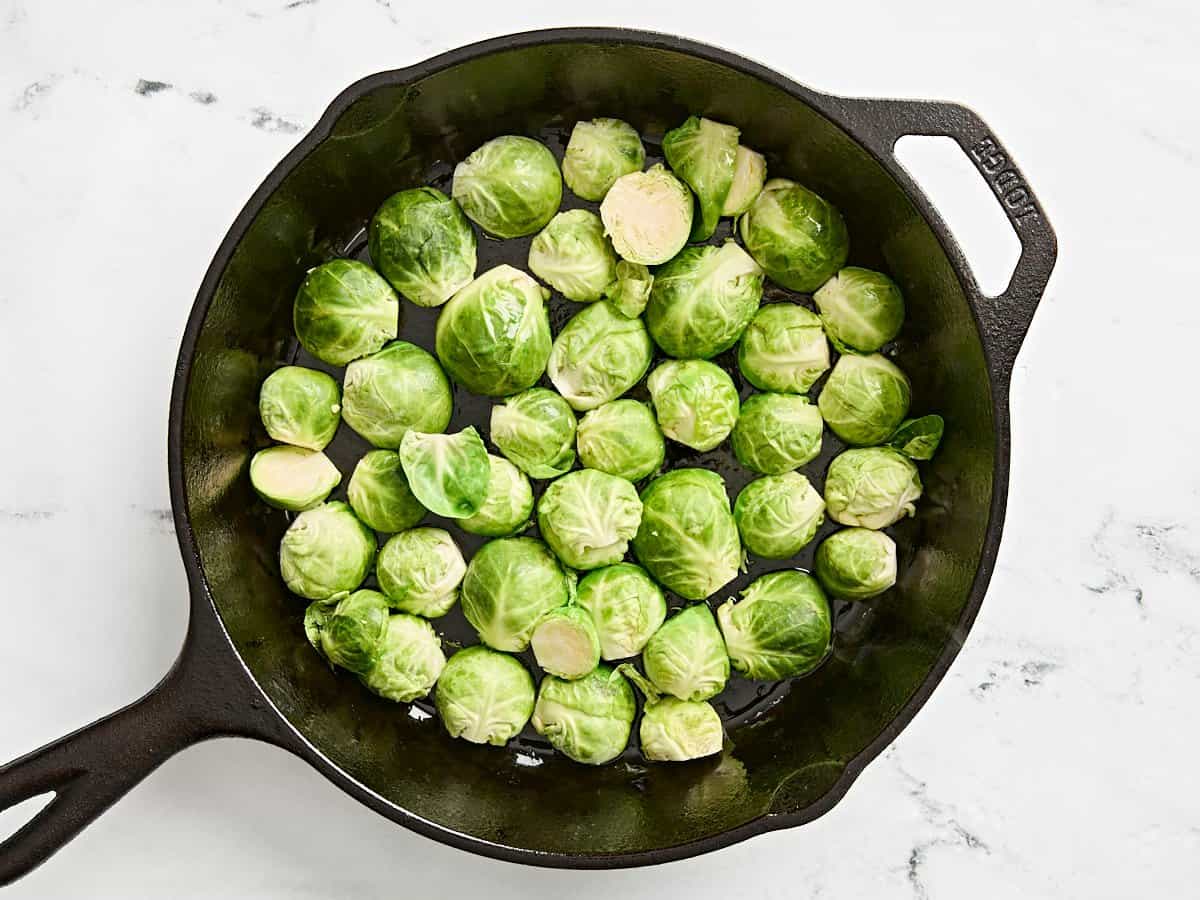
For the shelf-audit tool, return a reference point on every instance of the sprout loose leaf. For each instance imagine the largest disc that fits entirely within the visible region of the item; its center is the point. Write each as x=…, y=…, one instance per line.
x=919, y=438
x=448, y=473
x=749, y=175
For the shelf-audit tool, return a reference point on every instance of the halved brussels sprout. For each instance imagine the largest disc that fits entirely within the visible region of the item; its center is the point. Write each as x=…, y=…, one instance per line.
x=783, y=349
x=856, y=563
x=703, y=153
x=779, y=629
x=598, y=356
x=777, y=515
x=688, y=540
x=702, y=300
x=300, y=406
x=626, y=606
x=484, y=697
x=695, y=402
x=535, y=429
x=509, y=503
x=573, y=256
x=674, y=730
x=349, y=629
x=862, y=310
x=632, y=291
x=749, y=173
x=621, y=438
x=598, y=153
x=587, y=517
x=686, y=657
x=326, y=551
x=865, y=399
x=589, y=719
x=293, y=478
x=398, y=389
x=510, y=584
x=345, y=310
x=448, y=473
x=410, y=661
x=873, y=487
x=420, y=570
x=798, y=238
x=776, y=433
x=379, y=493
x=493, y=336
x=565, y=643
x=422, y=243
x=648, y=216
x=509, y=186
x=919, y=438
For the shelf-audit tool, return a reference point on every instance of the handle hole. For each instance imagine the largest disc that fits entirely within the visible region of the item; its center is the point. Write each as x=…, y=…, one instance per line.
x=21, y=814
x=964, y=200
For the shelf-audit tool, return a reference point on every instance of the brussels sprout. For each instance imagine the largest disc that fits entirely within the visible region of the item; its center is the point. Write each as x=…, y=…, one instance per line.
x=702, y=301
x=674, y=730
x=410, y=661
x=379, y=493
x=797, y=237
x=300, y=406
x=648, y=216
x=535, y=429
x=484, y=697
x=509, y=503
x=856, y=563
x=873, y=487
x=749, y=173
x=783, y=349
x=420, y=571
x=688, y=540
x=448, y=473
x=777, y=515
x=398, y=389
x=565, y=643
x=780, y=628
x=349, y=629
x=293, y=478
x=777, y=432
x=422, y=243
x=686, y=656
x=695, y=402
x=326, y=551
x=573, y=256
x=493, y=336
x=588, y=517
x=598, y=356
x=862, y=310
x=626, y=607
x=621, y=438
x=631, y=293
x=703, y=153
x=865, y=399
x=510, y=186
x=510, y=584
x=345, y=310
x=918, y=438
x=598, y=153
x=589, y=719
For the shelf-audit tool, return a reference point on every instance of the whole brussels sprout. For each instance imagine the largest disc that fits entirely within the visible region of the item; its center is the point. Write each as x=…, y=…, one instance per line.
x=326, y=551
x=777, y=515
x=674, y=730
x=626, y=606
x=631, y=293
x=565, y=643
x=648, y=216
x=598, y=356
x=409, y=663
x=573, y=256
x=862, y=310
x=493, y=336
x=349, y=629
x=293, y=478
x=510, y=584
x=379, y=493
x=695, y=402
x=598, y=153
x=686, y=656
x=856, y=563
x=776, y=433
x=509, y=503
x=423, y=244
x=873, y=487
x=448, y=473
x=865, y=399
x=300, y=406
x=702, y=301
x=420, y=571
x=345, y=310
x=510, y=186
x=589, y=719
x=587, y=517
x=797, y=237
x=535, y=429
x=703, y=153
x=749, y=173
x=779, y=629
x=688, y=540
x=918, y=438
x=484, y=697
x=783, y=349
x=398, y=389
x=621, y=438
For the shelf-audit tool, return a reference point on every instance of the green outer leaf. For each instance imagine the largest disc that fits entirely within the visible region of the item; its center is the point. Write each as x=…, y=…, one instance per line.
x=448, y=473
x=919, y=438
x=703, y=153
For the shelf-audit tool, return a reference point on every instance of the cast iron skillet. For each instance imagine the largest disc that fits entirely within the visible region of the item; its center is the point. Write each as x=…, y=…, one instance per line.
x=793, y=749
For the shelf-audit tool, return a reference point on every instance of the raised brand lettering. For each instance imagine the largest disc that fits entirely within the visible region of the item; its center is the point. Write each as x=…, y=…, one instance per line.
x=1005, y=182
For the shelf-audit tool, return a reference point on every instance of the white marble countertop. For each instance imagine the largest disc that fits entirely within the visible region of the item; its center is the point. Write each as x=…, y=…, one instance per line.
x=1058, y=757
